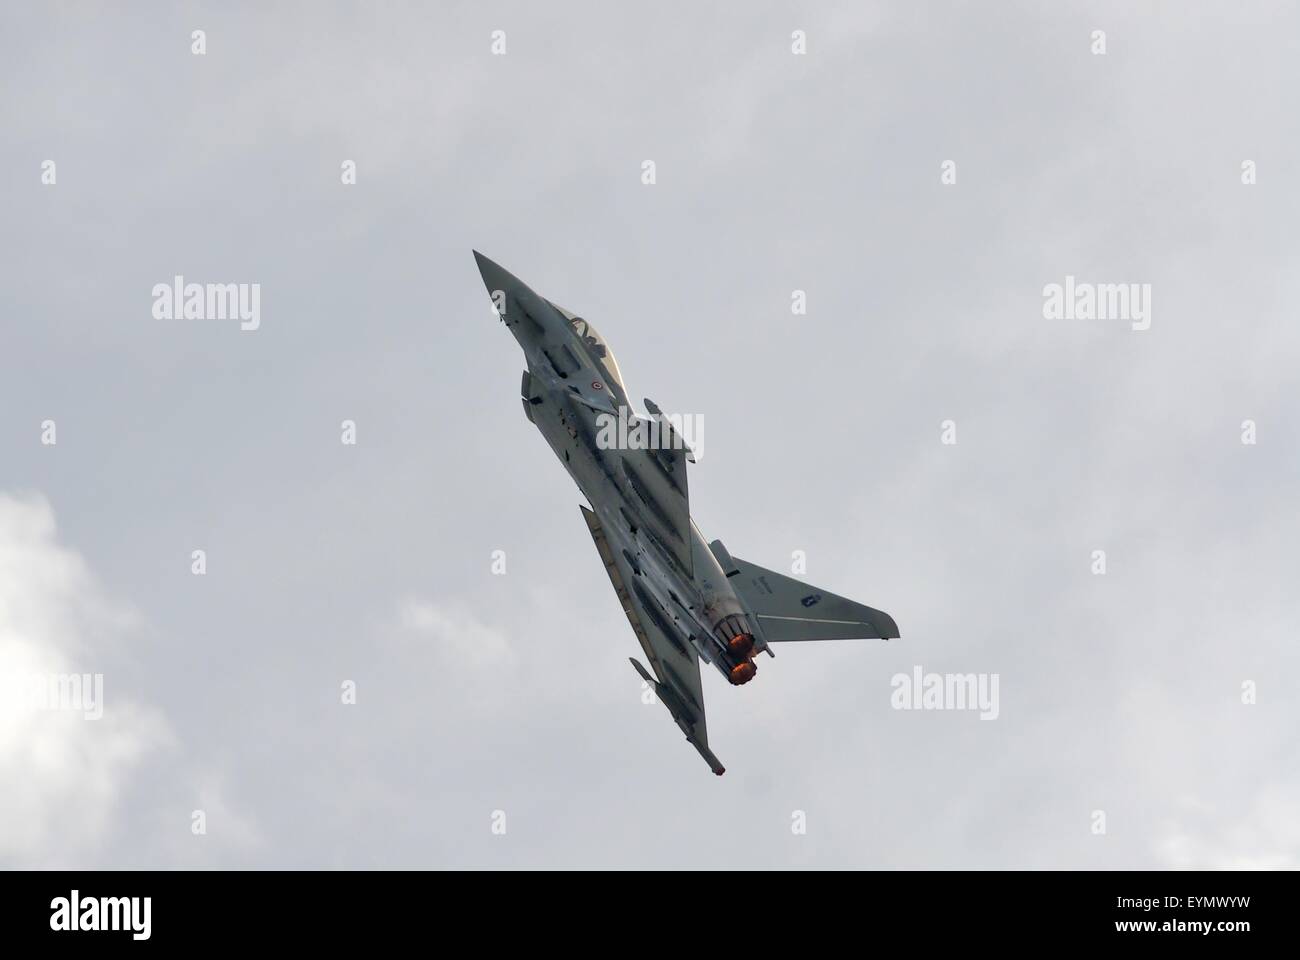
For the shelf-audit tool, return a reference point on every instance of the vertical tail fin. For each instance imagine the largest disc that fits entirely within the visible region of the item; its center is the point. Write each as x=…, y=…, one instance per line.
x=789, y=609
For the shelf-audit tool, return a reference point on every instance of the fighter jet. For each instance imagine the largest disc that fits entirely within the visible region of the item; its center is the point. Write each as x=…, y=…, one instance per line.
x=687, y=600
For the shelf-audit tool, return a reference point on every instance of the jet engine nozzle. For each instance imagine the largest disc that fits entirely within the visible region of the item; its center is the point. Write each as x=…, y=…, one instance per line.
x=742, y=645
x=742, y=672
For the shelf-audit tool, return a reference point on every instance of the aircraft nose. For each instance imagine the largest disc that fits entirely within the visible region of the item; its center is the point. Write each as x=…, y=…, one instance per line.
x=495, y=277
x=514, y=300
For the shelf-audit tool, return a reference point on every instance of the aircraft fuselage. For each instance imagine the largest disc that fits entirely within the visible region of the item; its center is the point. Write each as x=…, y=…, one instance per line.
x=567, y=390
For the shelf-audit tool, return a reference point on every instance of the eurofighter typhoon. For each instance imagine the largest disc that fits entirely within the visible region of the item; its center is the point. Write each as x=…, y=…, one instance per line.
x=687, y=600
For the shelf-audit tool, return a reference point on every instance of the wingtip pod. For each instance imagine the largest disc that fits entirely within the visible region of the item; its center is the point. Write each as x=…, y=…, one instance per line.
x=714, y=763
x=666, y=697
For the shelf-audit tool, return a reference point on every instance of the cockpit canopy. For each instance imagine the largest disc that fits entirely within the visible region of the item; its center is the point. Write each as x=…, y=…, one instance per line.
x=595, y=346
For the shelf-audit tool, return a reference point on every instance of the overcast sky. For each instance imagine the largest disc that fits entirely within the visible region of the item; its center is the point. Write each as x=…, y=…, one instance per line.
x=326, y=563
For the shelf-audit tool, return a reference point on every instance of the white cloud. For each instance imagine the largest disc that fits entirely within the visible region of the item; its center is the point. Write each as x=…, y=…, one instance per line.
x=456, y=635
x=1264, y=836
x=63, y=774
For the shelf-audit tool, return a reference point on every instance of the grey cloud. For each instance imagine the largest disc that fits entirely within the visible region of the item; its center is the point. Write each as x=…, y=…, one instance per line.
x=776, y=173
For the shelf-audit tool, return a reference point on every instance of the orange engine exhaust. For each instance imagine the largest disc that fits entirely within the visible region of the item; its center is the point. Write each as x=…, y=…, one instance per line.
x=743, y=672
x=742, y=645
